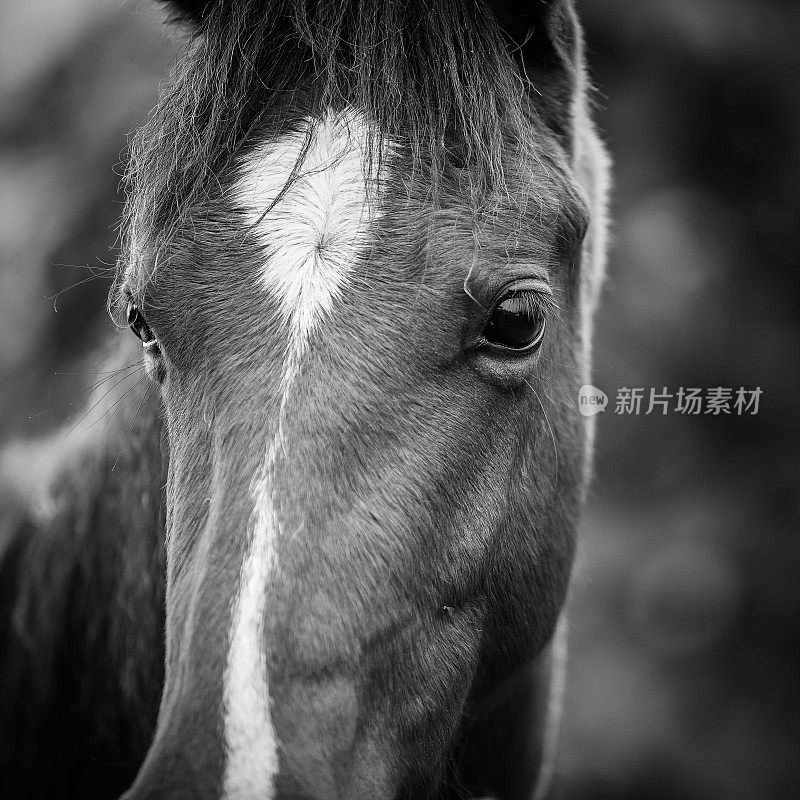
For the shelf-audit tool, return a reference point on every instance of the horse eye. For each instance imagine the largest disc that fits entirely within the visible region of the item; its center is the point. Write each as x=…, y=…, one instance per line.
x=138, y=324
x=517, y=322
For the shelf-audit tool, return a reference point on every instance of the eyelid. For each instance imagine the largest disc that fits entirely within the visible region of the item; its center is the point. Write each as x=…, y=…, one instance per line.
x=539, y=289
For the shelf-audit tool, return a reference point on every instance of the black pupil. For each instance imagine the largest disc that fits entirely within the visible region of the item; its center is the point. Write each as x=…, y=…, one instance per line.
x=137, y=324
x=516, y=323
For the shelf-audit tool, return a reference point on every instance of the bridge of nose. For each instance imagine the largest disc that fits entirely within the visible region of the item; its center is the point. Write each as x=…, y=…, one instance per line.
x=187, y=756
x=326, y=752
x=306, y=627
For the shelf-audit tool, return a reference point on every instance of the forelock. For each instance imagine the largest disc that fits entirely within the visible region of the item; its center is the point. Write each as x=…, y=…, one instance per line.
x=435, y=78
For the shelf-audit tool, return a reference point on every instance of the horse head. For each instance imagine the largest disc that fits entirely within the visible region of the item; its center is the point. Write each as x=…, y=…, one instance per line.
x=363, y=245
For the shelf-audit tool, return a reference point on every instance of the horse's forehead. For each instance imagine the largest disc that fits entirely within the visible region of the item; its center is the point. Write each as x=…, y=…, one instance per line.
x=306, y=199
x=310, y=195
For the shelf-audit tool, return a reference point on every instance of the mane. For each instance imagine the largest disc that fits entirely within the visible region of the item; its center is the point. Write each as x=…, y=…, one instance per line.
x=438, y=79
x=81, y=615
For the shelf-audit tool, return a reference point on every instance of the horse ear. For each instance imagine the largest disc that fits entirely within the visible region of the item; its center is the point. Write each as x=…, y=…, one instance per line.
x=194, y=11
x=547, y=36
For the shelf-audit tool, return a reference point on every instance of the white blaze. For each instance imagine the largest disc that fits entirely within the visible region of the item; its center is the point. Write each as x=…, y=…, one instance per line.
x=311, y=240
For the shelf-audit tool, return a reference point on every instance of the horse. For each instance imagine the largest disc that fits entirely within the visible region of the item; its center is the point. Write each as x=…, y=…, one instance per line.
x=326, y=554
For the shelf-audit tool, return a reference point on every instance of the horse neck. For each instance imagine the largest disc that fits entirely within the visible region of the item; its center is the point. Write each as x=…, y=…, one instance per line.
x=81, y=607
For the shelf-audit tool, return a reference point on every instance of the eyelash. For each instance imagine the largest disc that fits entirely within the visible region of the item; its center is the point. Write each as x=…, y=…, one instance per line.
x=534, y=300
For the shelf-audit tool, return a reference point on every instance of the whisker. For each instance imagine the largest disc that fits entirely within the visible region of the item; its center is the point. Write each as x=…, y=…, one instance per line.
x=97, y=384
x=114, y=407
x=550, y=427
x=58, y=294
x=558, y=363
x=130, y=427
x=111, y=409
x=101, y=371
x=574, y=408
x=100, y=400
x=104, y=268
x=570, y=402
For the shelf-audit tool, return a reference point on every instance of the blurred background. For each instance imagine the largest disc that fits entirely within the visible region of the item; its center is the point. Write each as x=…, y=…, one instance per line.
x=685, y=659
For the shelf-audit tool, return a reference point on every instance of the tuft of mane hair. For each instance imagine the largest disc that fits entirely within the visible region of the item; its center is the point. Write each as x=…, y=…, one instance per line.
x=440, y=79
